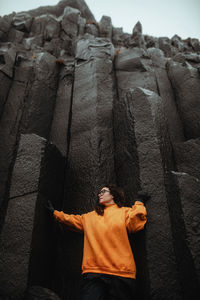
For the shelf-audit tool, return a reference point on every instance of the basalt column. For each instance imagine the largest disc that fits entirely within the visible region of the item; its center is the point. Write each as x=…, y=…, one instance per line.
x=28, y=109
x=145, y=117
x=7, y=60
x=10, y=123
x=133, y=68
x=28, y=239
x=61, y=118
x=186, y=84
x=90, y=158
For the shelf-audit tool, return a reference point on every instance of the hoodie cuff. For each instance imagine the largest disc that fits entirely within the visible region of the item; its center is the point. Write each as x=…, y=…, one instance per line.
x=139, y=202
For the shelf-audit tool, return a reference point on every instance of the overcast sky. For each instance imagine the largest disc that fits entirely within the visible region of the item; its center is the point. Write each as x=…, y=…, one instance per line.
x=158, y=17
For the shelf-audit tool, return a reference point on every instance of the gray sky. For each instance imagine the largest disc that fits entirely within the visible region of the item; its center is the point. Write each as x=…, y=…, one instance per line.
x=158, y=17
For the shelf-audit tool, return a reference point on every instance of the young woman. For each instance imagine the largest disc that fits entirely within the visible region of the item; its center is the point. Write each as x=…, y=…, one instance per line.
x=108, y=265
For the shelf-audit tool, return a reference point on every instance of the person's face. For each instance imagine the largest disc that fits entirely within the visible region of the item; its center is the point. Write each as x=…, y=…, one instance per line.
x=105, y=197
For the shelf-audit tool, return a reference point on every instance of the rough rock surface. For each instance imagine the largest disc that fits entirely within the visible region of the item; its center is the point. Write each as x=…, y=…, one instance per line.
x=82, y=104
x=16, y=235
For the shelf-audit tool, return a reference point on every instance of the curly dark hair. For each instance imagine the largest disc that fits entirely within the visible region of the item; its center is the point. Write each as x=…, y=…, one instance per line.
x=118, y=195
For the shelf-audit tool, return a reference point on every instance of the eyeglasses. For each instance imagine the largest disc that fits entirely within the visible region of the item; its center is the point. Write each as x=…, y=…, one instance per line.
x=102, y=192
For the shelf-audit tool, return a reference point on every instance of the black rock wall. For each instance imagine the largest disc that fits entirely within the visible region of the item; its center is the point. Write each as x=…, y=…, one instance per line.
x=82, y=104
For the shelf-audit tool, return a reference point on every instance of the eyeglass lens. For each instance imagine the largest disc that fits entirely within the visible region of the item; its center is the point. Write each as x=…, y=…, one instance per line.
x=103, y=191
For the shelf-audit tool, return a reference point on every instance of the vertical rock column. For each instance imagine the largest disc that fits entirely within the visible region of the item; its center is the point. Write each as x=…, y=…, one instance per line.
x=90, y=158
x=146, y=110
x=126, y=157
x=61, y=118
x=166, y=91
x=28, y=239
x=7, y=60
x=186, y=84
x=133, y=68
x=15, y=245
x=185, y=182
x=28, y=109
x=186, y=185
x=41, y=96
x=189, y=189
x=10, y=123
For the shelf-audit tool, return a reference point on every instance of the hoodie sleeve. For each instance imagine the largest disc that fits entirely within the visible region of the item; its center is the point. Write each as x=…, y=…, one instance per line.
x=135, y=217
x=74, y=222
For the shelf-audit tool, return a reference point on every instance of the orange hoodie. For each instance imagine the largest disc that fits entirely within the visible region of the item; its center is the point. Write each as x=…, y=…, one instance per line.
x=106, y=245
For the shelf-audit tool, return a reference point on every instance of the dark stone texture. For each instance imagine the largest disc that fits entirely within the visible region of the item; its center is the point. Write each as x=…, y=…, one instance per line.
x=61, y=118
x=186, y=211
x=193, y=57
x=105, y=27
x=41, y=96
x=46, y=25
x=83, y=104
x=5, y=25
x=18, y=226
x=126, y=157
x=165, y=46
x=5, y=83
x=92, y=29
x=22, y=21
x=137, y=70
x=131, y=60
x=194, y=43
x=7, y=59
x=56, y=47
x=26, y=171
x=91, y=119
x=70, y=21
x=10, y=121
x=33, y=43
x=43, y=269
x=188, y=157
x=89, y=48
x=90, y=157
x=176, y=42
x=15, y=36
x=186, y=84
x=151, y=41
x=137, y=39
x=16, y=245
x=166, y=92
x=189, y=192
x=145, y=107
x=128, y=177
x=28, y=228
x=117, y=36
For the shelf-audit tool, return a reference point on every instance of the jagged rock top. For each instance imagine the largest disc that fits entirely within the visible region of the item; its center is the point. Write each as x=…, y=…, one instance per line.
x=56, y=29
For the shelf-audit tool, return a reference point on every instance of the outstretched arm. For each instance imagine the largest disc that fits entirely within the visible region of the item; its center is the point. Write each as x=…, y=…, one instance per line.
x=135, y=217
x=74, y=222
